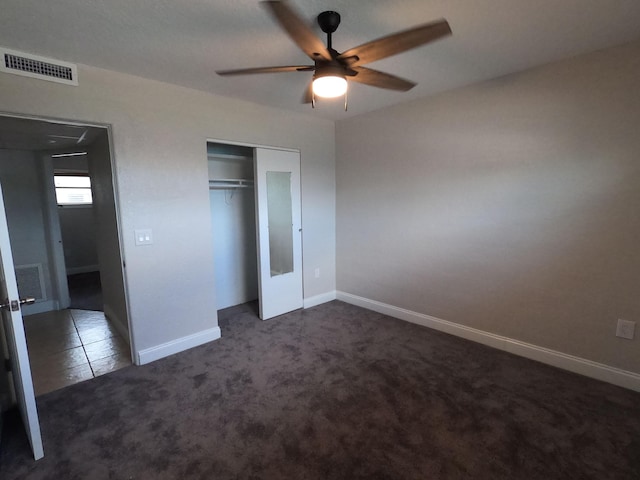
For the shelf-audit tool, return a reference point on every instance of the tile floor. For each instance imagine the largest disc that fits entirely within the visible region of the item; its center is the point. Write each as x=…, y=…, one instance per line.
x=70, y=346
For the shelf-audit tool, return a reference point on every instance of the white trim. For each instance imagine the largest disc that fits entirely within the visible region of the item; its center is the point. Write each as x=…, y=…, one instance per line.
x=319, y=299
x=67, y=206
x=239, y=143
x=175, y=346
x=582, y=366
x=85, y=269
x=54, y=234
x=57, y=121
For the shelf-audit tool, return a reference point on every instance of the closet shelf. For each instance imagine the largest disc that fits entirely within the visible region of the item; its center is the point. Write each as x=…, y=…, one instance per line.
x=226, y=183
x=228, y=156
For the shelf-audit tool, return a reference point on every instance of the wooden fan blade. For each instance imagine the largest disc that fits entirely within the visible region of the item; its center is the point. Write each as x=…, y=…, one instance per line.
x=248, y=71
x=381, y=79
x=399, y=42
x=308, y=93
x=298, y=30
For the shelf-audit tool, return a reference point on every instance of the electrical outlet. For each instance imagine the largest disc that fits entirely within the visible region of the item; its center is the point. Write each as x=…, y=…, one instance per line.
x=626, y=329
x=317, y=272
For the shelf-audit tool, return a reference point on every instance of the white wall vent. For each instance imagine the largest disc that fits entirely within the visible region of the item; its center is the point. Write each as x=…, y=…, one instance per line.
x=34, y=66
x=31, y=281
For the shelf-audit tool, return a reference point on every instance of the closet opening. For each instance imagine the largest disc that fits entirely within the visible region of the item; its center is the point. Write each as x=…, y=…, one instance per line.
x=233, y=218
x=254, y=195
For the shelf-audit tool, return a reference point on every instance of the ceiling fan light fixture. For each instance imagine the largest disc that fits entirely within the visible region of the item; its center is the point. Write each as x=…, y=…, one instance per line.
x=330, y=85
x=331, y=67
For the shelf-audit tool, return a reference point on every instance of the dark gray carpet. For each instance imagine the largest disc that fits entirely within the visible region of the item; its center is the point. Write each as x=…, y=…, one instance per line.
x=334, y=392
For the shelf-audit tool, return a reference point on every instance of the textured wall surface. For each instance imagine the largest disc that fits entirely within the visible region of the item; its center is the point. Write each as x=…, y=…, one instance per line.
x=79, y=237
x=159, y=140
x=511, y=206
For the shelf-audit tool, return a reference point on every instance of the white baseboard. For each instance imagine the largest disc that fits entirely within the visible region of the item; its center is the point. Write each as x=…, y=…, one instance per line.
x=160, y=351
x=319, y=299
x=582, y=366
x=85, y=269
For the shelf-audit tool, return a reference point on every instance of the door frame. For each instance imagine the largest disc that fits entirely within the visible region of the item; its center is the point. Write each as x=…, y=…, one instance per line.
x=114, y=182
x=270, y=147
x=54, y=237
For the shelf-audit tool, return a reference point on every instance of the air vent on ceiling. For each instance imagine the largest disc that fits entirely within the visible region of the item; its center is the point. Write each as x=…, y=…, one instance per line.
x=34, y=66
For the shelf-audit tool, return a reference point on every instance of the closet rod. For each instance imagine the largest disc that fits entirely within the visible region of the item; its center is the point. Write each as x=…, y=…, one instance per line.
x=227, y=183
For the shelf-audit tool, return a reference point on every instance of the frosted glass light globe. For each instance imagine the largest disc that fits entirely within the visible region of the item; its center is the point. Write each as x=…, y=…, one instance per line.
x=329, y=86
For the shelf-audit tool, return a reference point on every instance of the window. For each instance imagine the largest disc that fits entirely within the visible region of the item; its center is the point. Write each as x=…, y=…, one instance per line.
x=73, y=189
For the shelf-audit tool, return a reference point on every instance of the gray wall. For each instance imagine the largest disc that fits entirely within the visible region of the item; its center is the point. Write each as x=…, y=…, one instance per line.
x=107, y=236
x=77, y=225
x=234, y=245
x=509, y=206
x=233, y=219
x=159, y=140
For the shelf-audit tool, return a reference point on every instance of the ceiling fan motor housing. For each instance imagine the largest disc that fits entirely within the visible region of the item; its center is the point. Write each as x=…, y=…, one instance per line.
x=329, y=21
x=329, y=70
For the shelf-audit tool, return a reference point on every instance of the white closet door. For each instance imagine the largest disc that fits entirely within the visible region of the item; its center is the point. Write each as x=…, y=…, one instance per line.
x=279, y=231
x=14, y=336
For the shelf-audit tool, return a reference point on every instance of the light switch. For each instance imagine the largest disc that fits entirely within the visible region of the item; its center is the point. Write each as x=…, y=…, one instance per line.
x=144, y=236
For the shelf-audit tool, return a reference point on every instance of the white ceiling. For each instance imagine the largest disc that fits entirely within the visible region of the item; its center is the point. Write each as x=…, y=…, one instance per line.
x=184, y=42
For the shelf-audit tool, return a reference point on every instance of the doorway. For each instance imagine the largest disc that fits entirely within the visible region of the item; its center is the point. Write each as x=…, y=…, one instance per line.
x=76, y=217
x=257, y=232
x=57, y=232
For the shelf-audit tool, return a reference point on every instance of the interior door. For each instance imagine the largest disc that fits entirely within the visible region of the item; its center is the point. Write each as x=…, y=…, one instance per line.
x=278, y=231
x=16, y=342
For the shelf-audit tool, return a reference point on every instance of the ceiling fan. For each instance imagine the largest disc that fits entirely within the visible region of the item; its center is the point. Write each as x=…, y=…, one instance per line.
x=331, y=68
